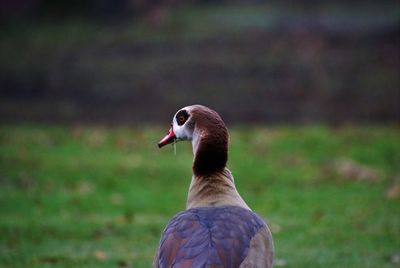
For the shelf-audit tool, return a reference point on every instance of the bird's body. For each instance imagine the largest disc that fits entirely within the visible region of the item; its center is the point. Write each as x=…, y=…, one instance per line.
x=217, y=229
x=209, y=237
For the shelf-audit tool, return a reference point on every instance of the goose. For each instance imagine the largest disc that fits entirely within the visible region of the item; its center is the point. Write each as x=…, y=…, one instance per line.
x=217, y=229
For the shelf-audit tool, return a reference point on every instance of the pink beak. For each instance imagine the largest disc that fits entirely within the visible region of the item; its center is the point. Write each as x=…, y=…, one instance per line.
x=167, y=139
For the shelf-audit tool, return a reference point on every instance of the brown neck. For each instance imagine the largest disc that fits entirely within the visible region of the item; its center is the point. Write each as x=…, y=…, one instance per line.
x=211, y=155
x=217, y=189
x=210, y=142
x=212, y=184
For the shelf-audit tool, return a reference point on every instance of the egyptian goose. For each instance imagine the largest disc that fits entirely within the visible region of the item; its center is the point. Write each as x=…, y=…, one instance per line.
x=217, y=229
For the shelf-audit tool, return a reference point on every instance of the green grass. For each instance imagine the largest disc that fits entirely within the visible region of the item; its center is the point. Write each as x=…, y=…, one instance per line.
x=100, y=197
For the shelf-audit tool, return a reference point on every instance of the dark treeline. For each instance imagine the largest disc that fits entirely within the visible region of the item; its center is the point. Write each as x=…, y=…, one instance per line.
x=60, y=9
x=128, y=61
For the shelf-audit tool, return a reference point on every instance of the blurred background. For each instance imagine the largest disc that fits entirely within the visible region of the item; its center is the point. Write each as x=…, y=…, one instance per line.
x=130, y=61
x=309, y=90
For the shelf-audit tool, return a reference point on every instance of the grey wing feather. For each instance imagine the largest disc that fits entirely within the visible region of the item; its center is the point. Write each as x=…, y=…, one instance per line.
x=261, y=250
x=211, y=237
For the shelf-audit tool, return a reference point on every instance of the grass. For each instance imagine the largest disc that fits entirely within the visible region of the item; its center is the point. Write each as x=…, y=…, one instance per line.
x=100, y=197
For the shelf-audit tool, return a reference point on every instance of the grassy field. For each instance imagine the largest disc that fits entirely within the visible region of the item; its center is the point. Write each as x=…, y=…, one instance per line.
x=100, y=197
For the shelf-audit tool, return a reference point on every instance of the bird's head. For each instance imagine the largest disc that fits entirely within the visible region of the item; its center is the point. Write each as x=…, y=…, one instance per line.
x=182, y=127
x=194, y=122
x=207, y=133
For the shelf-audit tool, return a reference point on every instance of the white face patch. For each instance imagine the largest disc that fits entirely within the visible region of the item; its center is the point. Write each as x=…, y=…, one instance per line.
x=182, y=132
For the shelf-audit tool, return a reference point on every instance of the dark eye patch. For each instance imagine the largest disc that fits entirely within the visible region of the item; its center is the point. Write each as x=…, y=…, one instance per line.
x=181, y=117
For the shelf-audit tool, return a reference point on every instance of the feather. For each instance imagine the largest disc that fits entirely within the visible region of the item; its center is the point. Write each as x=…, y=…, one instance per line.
x=208, y=237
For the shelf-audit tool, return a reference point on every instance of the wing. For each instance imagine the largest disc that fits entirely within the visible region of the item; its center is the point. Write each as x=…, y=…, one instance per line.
x=261, y=250
x=184, y=242
x=208, y=237
x=232, y=231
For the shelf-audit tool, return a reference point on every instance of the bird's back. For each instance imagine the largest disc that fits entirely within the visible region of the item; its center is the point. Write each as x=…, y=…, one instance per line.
x=209, y=237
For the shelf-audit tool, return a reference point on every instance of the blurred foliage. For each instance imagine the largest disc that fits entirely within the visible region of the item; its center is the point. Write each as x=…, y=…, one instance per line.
x=256, y=62
x=100, y=197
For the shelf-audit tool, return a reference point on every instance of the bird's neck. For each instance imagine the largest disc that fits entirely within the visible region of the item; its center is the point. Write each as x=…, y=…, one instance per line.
x=212, y=183
x=210, y=150
x=216, y=189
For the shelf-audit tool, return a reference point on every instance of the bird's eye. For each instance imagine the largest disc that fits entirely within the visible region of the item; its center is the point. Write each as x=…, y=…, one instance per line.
x=181, y=117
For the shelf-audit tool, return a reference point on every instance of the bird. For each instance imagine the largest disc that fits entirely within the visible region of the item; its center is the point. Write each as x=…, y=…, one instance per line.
x=217, y=229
